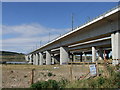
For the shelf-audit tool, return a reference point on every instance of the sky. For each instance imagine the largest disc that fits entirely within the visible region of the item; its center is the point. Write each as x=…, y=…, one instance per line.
x=28, y=25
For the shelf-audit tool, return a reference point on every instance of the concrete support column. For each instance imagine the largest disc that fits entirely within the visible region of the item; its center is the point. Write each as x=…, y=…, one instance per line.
x=100, y=53
x=56, y=58
x=74, y=57
x=30, y=57
x=48, y=58
x=118, y=47
x=85, y=56
x=26, y=58
x=64, y=55
x=93, y=54
x=81, y=56
x=113, y=48
x=36, y=58
x=115, y=39
x=53, y=59
x=107, y=54
x=40, y=58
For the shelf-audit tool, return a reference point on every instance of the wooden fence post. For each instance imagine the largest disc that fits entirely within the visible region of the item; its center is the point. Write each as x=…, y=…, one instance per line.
x=32, y=76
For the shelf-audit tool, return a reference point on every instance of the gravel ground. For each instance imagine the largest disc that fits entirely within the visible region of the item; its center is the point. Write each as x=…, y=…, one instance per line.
x=20, y=76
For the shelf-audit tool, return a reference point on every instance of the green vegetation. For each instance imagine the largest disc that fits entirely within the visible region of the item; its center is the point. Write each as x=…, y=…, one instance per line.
x=49, y=84
x=50, y=74
x=112, y=80
x=11, y=56
x=9, y=53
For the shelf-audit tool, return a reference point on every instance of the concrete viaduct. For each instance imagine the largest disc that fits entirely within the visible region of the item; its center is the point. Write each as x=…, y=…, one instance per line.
x=102, y=33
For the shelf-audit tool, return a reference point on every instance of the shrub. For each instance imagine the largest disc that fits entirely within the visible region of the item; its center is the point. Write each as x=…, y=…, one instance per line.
x=46, y=84
x=100, y=81
x=92, y=83
x=63, y=82
x=36, y=85
x=53, y=84
x=50, y=74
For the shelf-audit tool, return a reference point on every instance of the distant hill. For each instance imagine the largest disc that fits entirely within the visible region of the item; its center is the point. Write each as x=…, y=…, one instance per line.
x=11, y=56
x=10, y=53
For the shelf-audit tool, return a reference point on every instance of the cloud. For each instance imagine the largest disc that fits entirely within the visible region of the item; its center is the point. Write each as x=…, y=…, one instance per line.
x=25, y=37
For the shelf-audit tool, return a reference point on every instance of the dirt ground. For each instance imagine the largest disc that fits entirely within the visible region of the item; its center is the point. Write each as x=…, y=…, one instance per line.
x=20, y=76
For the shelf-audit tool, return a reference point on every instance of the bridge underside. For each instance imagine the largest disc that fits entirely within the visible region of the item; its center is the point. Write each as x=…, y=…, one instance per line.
x=97, y=38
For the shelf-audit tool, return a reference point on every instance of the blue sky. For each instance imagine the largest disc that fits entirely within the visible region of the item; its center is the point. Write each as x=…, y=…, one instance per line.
x=26, y=24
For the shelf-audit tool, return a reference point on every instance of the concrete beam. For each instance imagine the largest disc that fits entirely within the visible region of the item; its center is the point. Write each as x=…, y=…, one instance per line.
x=98, y=44
x=48, y=57
x=64, y=55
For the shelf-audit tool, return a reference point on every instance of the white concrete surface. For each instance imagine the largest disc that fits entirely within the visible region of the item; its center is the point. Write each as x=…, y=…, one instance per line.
x=34, y=59
x=26, y=58
x=36, y=63
x=53, y=59
x=113, y=42
x=93, y=54
x=40, y=58
x=48, y=57
x=30, y=57
x=115, y=48
x=64, y=57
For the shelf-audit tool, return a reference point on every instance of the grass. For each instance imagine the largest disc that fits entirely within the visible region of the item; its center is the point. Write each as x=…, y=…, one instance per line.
x=102, y=81
x=110, y=81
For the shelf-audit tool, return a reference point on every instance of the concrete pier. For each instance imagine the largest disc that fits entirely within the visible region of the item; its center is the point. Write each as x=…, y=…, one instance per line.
x=85, y=55
x=100, y=54
x=30, y=57
x=113, y=48
x=53, y=59
x=115, y=39
x=81, y=56
x=64, y=56
x=26, y=57
x=34, y=60
x=40, y=58
x=93, y=54
x=118, y=47
x=48, y=58
x=36, y=63
x=74, y=58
